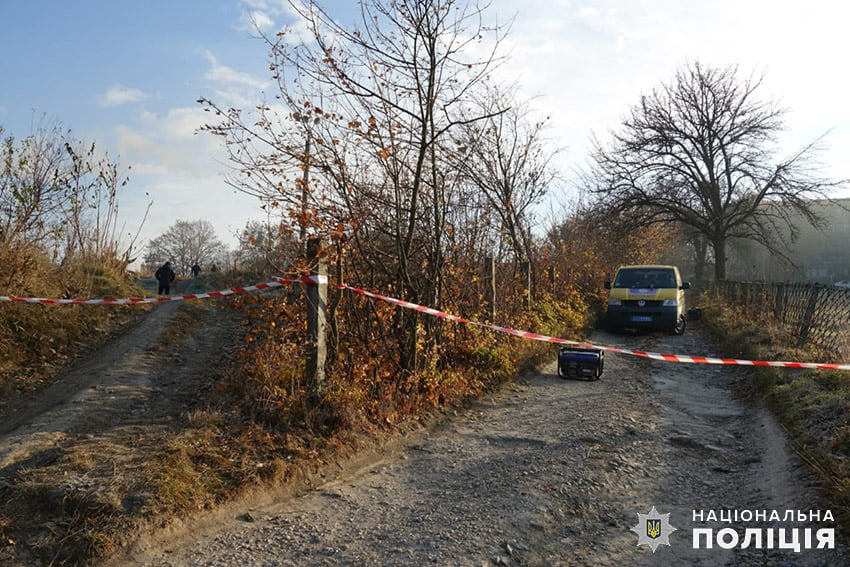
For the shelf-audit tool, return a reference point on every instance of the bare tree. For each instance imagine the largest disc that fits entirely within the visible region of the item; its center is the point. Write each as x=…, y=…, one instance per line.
x=507, y=161
x=185, y=244
x=263, y=246
x=93, y=181
x=58, y=190
x=369, y=113
x=32, y=185
x=700, y=152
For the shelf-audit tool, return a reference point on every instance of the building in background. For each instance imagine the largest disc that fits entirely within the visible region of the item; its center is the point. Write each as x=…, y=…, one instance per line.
x=816, y=256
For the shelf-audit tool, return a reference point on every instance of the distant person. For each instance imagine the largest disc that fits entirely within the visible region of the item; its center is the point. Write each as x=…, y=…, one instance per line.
x=165, y=275
x=196, y=270
x=214, y=268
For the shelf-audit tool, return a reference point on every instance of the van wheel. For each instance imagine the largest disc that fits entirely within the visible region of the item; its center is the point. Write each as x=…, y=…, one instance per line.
x=679, y=329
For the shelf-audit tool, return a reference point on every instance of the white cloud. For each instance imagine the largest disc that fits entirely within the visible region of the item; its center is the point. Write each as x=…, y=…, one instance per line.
x=130, y=140
x=232, y=87
x=235, y=98
x=223, y=74
x=168, y=143
x=257, y=20
x=190, y=197
x=183, y=123
x=588, y=62
x=296, y=29
x=273, y=15
x=119, y=95
x=182, y=173
x=588, y=13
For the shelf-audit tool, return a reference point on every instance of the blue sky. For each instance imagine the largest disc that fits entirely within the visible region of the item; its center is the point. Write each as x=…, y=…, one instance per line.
x=127, y=74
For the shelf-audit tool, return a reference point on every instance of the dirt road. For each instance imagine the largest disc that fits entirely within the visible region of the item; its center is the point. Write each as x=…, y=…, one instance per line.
x=65, y=447
x=124, y=382
x=544, y=472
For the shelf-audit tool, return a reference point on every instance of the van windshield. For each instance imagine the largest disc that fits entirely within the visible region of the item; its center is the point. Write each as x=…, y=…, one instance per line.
x=645, y=278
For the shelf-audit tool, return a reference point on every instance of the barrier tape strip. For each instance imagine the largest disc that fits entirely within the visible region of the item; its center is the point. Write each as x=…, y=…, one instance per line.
x=322, y=279
x=682, y=358
x=278, y=282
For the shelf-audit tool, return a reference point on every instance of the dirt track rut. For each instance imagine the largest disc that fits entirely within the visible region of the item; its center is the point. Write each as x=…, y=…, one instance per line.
x=70, y=441
x=543, y=472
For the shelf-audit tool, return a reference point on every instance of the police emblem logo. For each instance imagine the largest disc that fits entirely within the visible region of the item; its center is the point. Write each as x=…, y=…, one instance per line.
x=653, y=529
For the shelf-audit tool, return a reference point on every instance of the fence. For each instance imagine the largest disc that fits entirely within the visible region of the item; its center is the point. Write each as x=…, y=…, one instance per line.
x=814, y=314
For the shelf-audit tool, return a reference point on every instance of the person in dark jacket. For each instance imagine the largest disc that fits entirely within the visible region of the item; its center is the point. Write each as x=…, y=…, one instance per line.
x=165, y=275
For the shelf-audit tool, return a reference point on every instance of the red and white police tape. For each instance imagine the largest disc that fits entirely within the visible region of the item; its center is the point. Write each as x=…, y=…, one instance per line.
x=279, y=282
x=689, y=359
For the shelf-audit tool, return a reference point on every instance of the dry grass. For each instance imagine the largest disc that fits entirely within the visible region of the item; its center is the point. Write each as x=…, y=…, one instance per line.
x=87, y=497
x=69, y=502
x=37, y=340
x=813, y=406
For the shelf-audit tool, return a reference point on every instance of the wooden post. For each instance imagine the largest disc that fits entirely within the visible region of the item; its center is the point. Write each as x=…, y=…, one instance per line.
x=808, y=316
x=316, y=301
x=490, y=291
x=779, y=304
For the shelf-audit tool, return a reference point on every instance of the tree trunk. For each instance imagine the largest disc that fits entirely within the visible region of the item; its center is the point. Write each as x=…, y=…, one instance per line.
x=700, y=257
x=407, y=336
x=719, y=245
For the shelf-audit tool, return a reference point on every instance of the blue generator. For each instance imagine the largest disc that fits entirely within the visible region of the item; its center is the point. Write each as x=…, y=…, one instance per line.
x=580, y=362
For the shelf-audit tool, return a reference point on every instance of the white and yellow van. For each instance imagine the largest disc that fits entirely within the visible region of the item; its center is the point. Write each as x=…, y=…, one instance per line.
x=647, y=297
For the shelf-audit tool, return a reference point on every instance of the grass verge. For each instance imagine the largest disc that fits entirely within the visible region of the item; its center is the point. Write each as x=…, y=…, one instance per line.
x=813, y=406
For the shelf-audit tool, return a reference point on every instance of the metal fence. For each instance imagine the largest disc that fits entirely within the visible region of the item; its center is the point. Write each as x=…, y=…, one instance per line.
x=815, y=314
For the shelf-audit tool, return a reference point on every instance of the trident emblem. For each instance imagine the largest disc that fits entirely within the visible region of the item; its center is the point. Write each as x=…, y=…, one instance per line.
x=653, y=528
